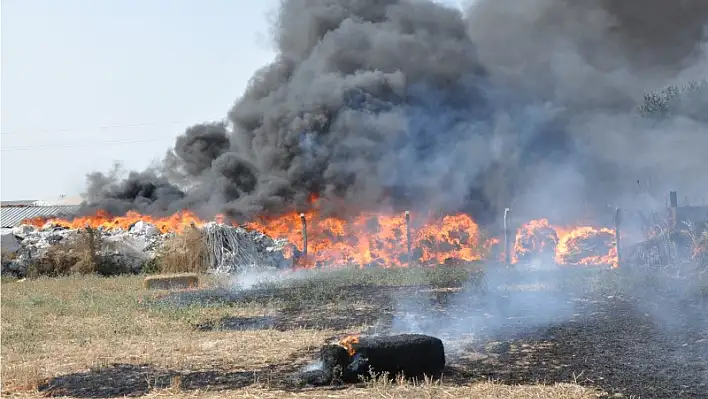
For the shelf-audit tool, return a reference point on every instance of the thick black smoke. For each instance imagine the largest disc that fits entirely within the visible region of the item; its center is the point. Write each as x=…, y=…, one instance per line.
x=139, y=190
x=586, y=66
x=195, y=151
x=392, y=103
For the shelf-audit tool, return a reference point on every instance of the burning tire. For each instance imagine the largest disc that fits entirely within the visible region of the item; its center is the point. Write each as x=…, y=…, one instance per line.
x=353, y=358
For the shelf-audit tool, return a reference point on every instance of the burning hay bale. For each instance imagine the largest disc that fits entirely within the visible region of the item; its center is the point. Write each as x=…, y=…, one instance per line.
x=582, y=245
x=587, y=246
x=536, y=238
x=354, y=358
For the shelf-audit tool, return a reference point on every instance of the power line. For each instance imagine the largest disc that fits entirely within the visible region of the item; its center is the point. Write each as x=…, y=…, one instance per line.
x=84, y=144
x=105, y=127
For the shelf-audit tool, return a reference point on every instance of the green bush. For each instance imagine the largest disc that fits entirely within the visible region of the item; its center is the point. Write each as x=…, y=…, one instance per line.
x=152, y=266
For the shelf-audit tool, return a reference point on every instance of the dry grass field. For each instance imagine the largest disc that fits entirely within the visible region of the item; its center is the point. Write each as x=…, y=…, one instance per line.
x=110, y=337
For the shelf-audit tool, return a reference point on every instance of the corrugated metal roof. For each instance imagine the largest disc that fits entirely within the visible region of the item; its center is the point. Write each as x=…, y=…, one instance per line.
x=12, y=215
x=61, y=201
x=18, y=203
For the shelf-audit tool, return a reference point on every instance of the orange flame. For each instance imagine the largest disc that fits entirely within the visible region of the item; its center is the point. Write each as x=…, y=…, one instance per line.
x=382, y=239
x=570, y=246
x=535, y=237
x=582, y=245
x=348, y=342
x=375, y=239
x=176, y=222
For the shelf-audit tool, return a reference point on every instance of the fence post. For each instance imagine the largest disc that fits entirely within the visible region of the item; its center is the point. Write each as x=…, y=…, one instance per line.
x=673, y=204
x=507, y=249
x=304, y=234
x=408, y=238
x=618, y=221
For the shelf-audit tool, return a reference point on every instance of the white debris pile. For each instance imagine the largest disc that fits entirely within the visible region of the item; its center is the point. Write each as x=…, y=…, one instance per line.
x=125, y=249
x=32, y=244
x=10, y=243
x=229, y=249
x=234, y=249
x=147, y=236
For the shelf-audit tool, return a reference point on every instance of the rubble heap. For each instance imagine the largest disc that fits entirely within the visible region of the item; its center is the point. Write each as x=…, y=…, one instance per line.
x=233, y=249
x=229, y=249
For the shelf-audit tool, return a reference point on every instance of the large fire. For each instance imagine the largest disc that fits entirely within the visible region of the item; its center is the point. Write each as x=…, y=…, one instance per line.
x=534, y=238
x=174, y=223
x=579, y=245
x=376, y=239
x=384, y=240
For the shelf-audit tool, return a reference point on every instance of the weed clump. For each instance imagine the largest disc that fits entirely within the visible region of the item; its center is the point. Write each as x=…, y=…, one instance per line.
x=700, y=249
x=182, y=253
x=83, y=254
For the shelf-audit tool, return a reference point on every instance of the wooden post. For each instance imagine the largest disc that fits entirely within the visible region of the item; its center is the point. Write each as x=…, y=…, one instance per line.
x=507, y=248
x=618, y=221
x=673, y=221
x=673, y=204
x=304, y=234
x=408, y=237
x=93, y=251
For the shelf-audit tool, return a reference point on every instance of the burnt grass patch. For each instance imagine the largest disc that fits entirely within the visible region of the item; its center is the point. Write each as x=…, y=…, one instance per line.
x=612, y=337
x=131, y=380
x=313, y=287
x=611, y=344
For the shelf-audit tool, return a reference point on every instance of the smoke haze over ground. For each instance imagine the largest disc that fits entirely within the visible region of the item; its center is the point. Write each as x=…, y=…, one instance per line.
x=375, y=104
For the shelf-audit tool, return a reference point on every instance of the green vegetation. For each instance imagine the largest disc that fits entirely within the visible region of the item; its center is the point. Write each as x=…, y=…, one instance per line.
x=690, y=100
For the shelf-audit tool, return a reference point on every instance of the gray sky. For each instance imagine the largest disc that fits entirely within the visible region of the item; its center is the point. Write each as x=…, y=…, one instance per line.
x=86, y=82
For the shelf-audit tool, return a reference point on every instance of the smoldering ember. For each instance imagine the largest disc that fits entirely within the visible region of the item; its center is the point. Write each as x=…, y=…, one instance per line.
x=505, y=201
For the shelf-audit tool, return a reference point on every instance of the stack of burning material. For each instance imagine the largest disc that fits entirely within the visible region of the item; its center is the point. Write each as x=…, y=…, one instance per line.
x=354, y=358
x=535, y=239
x=586, y=248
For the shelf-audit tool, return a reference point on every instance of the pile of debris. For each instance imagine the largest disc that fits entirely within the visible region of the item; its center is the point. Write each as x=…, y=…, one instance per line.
x=233, y=249
x=229, y=249
x=670, y=246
